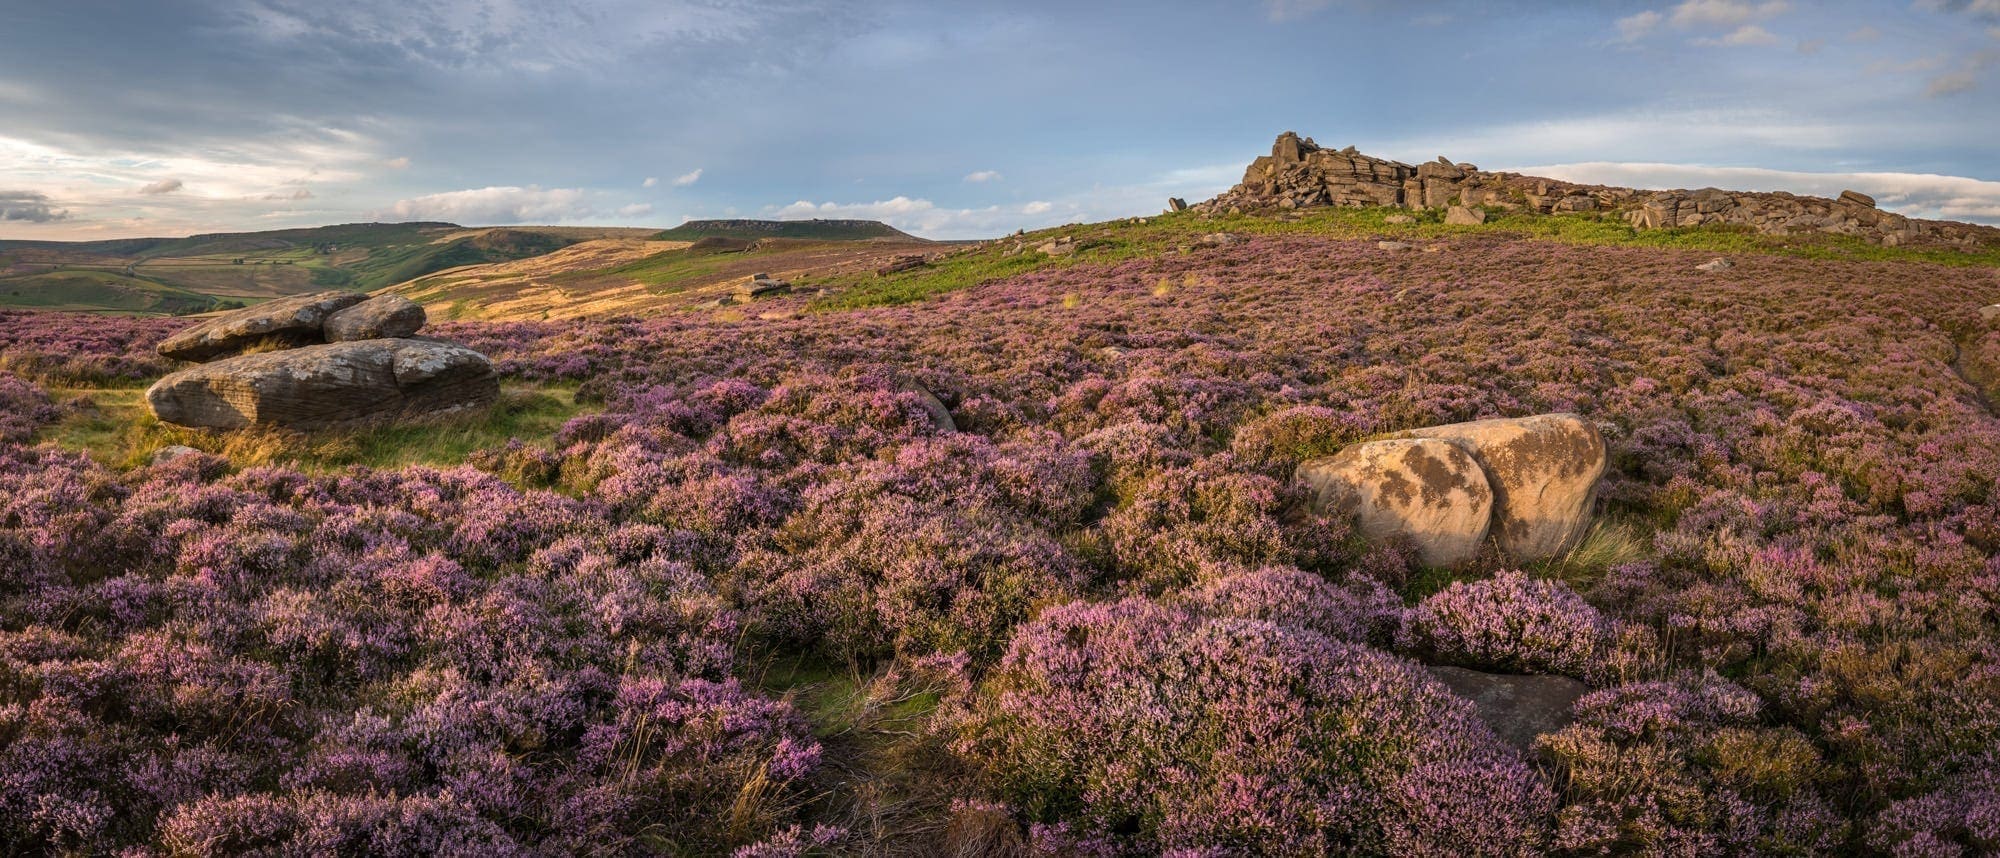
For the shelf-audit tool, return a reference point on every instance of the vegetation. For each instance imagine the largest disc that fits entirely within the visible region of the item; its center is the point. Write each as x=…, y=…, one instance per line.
x=823, y=230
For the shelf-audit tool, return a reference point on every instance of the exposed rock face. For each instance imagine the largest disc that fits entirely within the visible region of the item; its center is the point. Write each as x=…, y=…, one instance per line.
x=1427, y=491
x=1299, y=173
x=1462, y=216
x=1543, y=471
x=297, y=320
x=327, y=385
x=381, y=317
x=1518, y=708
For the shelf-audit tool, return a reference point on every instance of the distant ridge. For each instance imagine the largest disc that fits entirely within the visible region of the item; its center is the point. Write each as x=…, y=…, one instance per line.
x=826, y=230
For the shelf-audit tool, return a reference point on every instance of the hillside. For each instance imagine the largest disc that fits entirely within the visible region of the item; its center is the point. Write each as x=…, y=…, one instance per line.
x=178, y=275
x=823, y=230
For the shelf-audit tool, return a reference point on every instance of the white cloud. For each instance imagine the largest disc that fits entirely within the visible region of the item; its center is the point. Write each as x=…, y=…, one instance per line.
x=983, y=176
x=400, y=163
x=163, y=186
x=635, y=210
x=496, y=205
x=1952, y=83
x=1865, y=34
x=1632, y=28
x=1038, y=207
x=29, y=207
x=300, y=194
x=650, y=181
x=1746, y=36
x=1287, y=10
x=688, y=178
x=1923, y=195
x=1725, y=13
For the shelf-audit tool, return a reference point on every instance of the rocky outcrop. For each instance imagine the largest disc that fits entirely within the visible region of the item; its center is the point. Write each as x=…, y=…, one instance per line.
x=1518, y=708
x=372, y=370
x=1431, y=493
x=298, y=320
x=336, y=384
x=1544, y=472
x=377, y=318
x=1299, y=173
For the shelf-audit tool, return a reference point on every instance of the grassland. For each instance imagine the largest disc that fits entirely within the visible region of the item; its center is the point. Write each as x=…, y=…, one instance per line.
x=114, y=426
x=820, y=230
x=1135, y=238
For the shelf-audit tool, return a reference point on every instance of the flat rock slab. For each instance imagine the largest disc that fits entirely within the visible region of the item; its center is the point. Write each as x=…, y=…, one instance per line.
x=293, y=321
x=339, y=384
x=1518, y=708
x=380, y=317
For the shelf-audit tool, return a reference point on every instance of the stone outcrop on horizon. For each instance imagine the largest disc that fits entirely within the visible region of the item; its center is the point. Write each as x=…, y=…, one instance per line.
x=1301, y=174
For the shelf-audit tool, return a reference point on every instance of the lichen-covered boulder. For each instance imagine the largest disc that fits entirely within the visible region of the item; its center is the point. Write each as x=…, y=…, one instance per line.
x=293, y=321
x=1517, y=708
x=1544, y=471
x=1430, y=492
x=380, y=317
x=338, y=384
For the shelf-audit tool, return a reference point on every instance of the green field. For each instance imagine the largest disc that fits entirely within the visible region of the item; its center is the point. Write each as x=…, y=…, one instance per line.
x=198, y=273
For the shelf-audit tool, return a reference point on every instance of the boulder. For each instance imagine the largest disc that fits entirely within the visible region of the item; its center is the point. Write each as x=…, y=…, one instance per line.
x=172, y=452
x=1715, y=265
x=901, y=264
x=759, y=287
x=378, y=318
x=1176, y=204
x=1462, y=216
x=1543, y=471
x=1399, y=219
x=319, y=386
x=1517, y=708
x=1857, y=198
x=1427, y=491
x=1989, y=312
x=297, y=320
x=1220, y=239
x=1392, y=245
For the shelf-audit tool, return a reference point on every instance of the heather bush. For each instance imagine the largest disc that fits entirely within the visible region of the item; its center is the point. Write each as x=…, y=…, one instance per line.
x=1357, y=609
x=1508, y=623
x=1170, y=731
x=23, y=409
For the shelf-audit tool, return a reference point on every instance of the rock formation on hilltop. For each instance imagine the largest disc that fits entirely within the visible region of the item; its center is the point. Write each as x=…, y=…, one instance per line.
x=1299, y=173
x=341, y=360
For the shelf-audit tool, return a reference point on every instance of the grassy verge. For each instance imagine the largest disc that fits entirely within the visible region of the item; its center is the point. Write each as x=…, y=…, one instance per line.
x=1117, y=241
x=113, y=425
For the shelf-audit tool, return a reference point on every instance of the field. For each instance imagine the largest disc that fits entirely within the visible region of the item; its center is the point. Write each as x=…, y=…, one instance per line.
x=179, y=276
x=722, y=580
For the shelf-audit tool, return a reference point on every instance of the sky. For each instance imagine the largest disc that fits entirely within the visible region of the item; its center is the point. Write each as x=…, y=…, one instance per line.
x=950, y=119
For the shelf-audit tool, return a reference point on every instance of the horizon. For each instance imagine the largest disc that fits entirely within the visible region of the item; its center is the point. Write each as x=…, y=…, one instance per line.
x=949, y=122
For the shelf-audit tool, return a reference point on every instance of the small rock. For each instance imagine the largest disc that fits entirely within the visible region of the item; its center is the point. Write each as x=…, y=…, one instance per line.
x=1857, y=198
x=901, y=264
x=1176, y=204
x=1517, y=708
x=1463, y=216
x=1717, y=264
x=170, y=453
x=1399, y=219
x=1221, y=239
x=1391, y=245
x=1989, y=312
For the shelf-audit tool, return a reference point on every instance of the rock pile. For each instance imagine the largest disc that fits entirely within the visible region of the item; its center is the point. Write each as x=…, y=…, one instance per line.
x=1527, y=482
x=316, y=361
x=1299, y=173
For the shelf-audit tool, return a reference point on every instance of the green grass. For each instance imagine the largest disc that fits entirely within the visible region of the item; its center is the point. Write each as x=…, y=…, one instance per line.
x=676, y=270
x=93, y=290
x=1117, y=241
x=829, y=230
x=114, y=426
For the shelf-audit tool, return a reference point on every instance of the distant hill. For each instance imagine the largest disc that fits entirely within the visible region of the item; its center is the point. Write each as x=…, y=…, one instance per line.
x=201, y=272
x=823, y=230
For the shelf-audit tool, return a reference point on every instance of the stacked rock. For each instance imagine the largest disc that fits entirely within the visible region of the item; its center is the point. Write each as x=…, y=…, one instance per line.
x=328, y=359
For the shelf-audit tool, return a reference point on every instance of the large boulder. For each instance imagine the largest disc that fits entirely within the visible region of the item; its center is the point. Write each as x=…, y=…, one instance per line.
x=378, y=318
x=1518, y=708
x=338, y=384
x=1463, y=216
x=1430, y=492
x=1543, y=470
x=293, y=321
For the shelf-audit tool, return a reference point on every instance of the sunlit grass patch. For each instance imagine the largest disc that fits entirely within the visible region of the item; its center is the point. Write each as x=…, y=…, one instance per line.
x=115, y=427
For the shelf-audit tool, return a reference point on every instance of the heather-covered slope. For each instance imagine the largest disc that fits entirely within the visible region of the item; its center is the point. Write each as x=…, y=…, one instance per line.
x=763, y=597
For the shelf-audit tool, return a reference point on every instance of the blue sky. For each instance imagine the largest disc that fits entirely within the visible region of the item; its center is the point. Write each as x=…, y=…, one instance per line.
x=949, y=119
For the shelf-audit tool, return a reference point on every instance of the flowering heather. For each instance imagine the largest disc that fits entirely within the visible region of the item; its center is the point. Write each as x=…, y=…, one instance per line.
x=1183, y=732
x=1507, y=623
x=579, y=643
